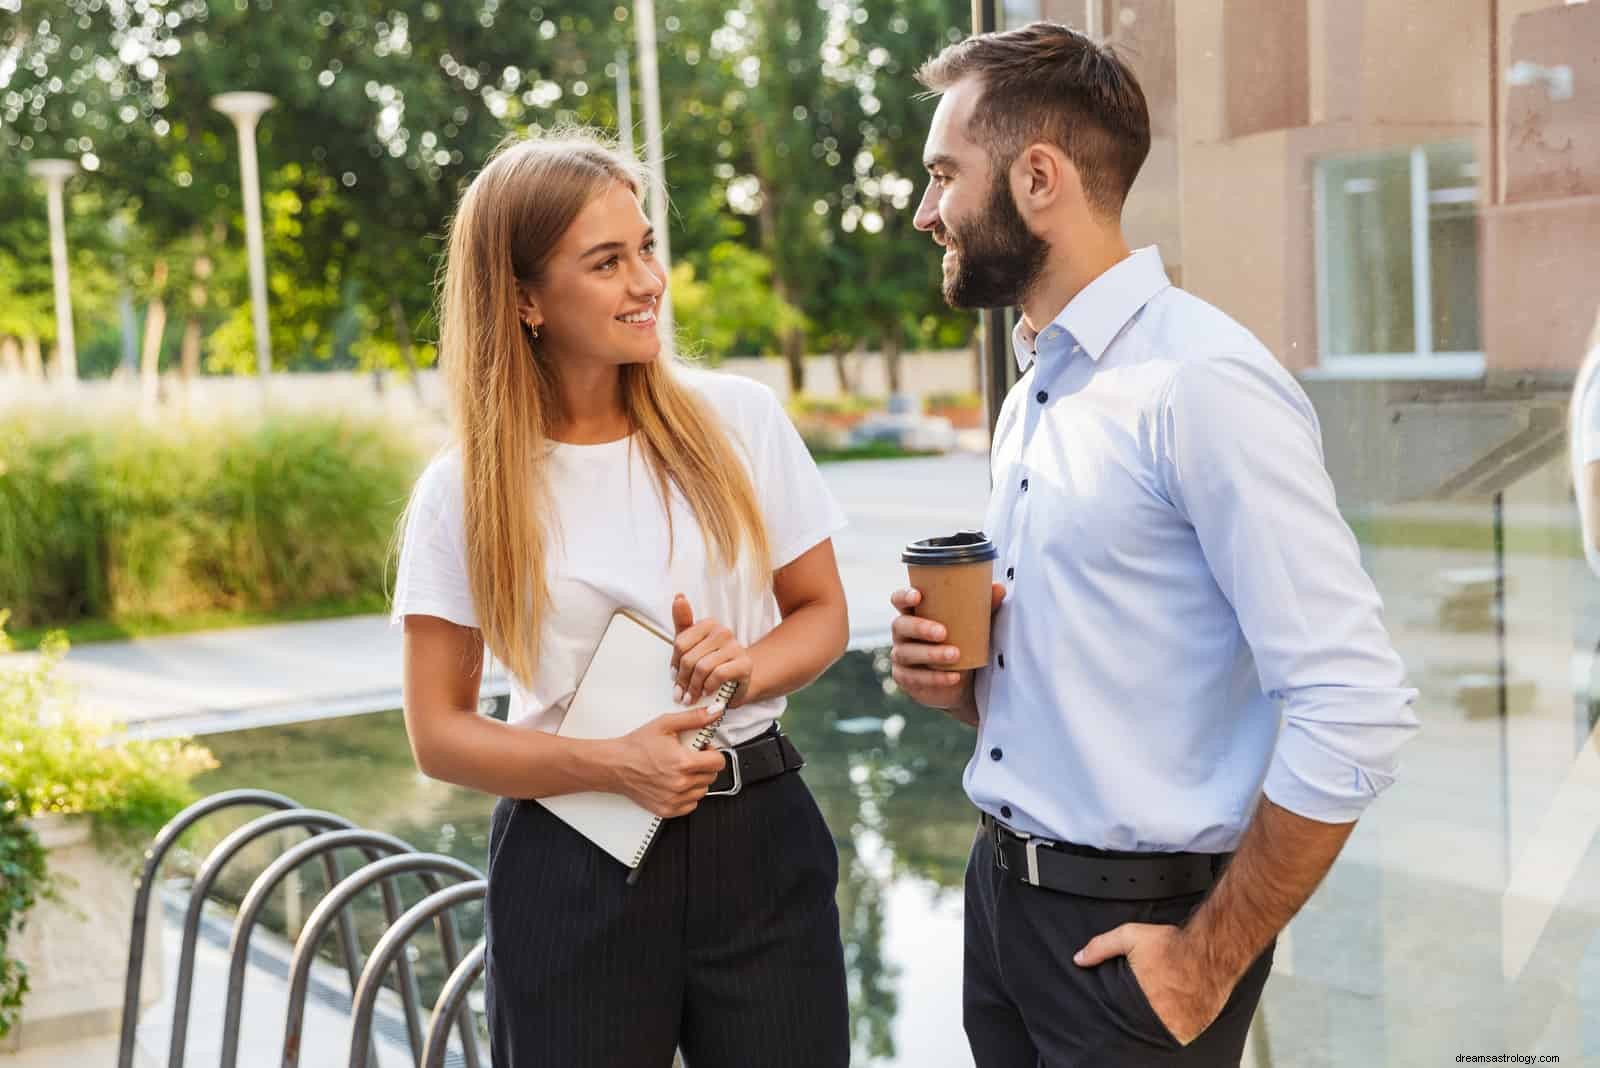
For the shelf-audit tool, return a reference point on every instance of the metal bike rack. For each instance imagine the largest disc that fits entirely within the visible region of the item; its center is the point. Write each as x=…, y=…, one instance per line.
x=374, y=845
x=226, y=850
x=159, y=848
x=331, y=908
x=449, y=1005
x=386, y=859
x=392, y=947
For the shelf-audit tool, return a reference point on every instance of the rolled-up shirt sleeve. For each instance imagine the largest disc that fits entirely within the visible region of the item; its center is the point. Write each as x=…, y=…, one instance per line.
x=1241, y=459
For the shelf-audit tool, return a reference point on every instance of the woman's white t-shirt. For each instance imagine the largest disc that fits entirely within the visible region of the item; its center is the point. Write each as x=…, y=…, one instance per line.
x=608, y=548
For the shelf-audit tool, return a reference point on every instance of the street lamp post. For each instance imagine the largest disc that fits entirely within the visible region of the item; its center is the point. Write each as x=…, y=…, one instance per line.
x=54, y=173
x=644, y=14
x=246, y=109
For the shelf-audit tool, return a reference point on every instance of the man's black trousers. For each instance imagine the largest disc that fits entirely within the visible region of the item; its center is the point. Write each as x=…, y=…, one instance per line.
x=1025, y=1004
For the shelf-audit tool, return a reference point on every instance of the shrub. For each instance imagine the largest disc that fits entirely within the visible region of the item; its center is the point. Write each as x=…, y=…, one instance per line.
x=133, y=521
x=53, y=760
x=936, y=401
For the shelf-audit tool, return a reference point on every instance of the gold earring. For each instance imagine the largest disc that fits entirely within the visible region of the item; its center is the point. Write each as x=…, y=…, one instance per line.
x=535, y=330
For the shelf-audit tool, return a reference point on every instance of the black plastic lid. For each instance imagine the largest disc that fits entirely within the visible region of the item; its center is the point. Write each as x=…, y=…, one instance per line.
x=967, y=547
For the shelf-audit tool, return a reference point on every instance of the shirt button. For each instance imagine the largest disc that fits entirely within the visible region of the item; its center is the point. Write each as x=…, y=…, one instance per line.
x=1011, y=572
x=1005, y=812
x=1002, y=660
x=995, y=754
x=1024, y=485
x=1041, y=396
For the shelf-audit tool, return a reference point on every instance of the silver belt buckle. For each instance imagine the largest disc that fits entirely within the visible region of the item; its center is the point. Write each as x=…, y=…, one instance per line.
x=732, y=756
x=1030, y=846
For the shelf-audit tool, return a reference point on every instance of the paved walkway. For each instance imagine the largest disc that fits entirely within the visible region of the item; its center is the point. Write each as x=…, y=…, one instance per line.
x=293, y=671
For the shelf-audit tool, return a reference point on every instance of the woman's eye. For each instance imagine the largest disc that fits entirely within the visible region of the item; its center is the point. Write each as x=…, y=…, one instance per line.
x=650, y=247
x=608, y=264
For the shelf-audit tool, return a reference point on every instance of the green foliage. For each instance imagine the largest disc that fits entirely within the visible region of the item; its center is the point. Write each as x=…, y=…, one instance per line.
x=129, y=520
x=805, y=406
x=23, y=880
x=935, y=401
x=733, y=310
x=55, y=761
x=794, y=132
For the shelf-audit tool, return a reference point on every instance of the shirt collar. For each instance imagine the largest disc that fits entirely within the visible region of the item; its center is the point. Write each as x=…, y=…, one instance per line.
x=1092, y=319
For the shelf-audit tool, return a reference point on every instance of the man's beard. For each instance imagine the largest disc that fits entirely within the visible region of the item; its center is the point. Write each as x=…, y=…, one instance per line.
x=997, y=258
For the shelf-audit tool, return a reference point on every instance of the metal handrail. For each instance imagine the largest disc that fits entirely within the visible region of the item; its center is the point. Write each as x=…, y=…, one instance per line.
x=332, y=907
x=163, y=843
x=369, y=842
x=448, y=1007
x=392, y=945
x=225, y=851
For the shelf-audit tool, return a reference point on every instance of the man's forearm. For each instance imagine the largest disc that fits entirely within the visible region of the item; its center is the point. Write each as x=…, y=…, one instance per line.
x=1278, y=865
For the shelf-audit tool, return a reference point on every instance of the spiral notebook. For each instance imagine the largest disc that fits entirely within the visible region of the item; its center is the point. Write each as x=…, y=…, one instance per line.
x=625, y=686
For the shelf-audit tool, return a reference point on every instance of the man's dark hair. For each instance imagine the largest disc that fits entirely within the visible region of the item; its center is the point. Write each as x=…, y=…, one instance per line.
x=1046, y=82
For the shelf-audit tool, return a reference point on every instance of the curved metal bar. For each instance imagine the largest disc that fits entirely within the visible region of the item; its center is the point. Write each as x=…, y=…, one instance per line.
x=307, y=818
x=450, y=944
x=153, y=856
x=372, y=843
x=450, y=1008
x=332, y=905
x=391, y=945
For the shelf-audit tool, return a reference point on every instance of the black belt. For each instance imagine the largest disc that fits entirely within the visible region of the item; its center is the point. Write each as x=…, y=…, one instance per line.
x=765, y=756
x=1073, y=869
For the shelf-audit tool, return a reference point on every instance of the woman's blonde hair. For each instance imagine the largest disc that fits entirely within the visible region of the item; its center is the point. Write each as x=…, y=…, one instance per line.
x=505, y=398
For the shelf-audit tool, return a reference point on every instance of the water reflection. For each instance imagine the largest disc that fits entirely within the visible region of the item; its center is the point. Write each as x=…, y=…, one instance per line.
x=886, y=773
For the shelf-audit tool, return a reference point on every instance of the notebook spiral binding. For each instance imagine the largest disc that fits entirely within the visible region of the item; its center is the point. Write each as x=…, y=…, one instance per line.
x=702, y=739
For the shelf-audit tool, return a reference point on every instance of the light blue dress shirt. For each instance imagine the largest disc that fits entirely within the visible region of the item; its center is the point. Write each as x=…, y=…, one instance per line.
x=1186, y=622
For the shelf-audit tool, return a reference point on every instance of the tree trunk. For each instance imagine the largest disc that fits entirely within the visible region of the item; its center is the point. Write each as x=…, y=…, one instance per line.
x=32, y=360
x=10, y=356
x=155, y=325
x=189, y=359
x=189, y=354
x=402, y=337
x=891, y=357
x=841, y=367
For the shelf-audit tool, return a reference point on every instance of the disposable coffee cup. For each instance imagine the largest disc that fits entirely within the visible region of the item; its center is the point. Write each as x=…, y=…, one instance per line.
x=955, y=575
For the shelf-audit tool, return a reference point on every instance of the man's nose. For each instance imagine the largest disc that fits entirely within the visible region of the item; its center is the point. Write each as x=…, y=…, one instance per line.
x=927, y=216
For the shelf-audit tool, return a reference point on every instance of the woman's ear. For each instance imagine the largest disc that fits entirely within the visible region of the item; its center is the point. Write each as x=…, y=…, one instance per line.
x=528, y=309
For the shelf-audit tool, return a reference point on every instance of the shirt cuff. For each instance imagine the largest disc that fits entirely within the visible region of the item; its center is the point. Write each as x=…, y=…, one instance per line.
x=1312, y=780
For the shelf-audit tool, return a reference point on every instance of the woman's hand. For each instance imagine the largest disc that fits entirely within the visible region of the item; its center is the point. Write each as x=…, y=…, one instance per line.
x=704, y=656
x=656, y=771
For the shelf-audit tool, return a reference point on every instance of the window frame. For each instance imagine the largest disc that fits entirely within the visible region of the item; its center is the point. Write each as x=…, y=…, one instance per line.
x=1425, y=362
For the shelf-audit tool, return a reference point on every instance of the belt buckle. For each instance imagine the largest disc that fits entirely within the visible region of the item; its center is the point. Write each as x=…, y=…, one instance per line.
x=1030, y=846
x=731, y=755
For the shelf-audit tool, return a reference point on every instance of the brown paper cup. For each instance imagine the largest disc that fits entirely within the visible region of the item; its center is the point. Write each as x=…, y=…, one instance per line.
x=954, y=575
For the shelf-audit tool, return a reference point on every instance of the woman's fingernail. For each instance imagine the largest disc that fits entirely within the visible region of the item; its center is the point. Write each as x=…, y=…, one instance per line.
x=715, y=709
x=677, y=694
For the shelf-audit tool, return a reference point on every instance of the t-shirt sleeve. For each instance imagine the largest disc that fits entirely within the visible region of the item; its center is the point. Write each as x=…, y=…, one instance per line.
x=432, y=576
x=799, y=509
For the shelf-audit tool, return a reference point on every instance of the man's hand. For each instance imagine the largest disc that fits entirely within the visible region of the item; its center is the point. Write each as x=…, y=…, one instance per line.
x=705, y=655
x=1182, y=990
x=920, y=659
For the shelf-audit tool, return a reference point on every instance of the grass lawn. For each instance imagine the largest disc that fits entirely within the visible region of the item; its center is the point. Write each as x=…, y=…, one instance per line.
x=878, y=450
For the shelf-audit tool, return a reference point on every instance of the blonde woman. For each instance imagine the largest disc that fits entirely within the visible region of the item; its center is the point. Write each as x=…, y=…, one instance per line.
x=591, y=472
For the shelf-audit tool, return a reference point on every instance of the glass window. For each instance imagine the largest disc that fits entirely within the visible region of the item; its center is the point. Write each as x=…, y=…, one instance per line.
x=1397, y=237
